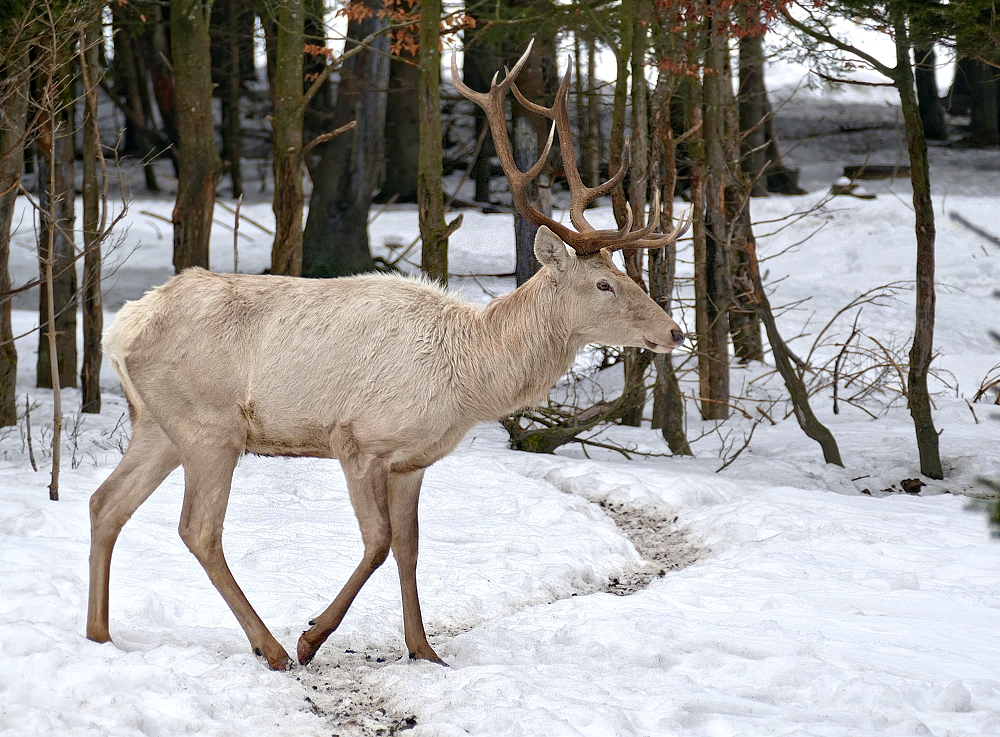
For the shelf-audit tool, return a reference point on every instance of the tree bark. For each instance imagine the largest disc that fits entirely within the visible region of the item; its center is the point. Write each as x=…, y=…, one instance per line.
x=931, y=112
x=161, y=73
x=350, y=168
x=402, y=131
x=752, y=107
x=55, y=242
x=744, y=322
x=478, y=67
x=525, y=147
x=624, y=54
x=668, y=401
x=434, y=231
x=231, y=94
x=699, y=236
x=93, y=313
x=200, y=165
x=130, y=81
x=922, y=350
x=984, y=107
x=637, y=360
x=592, y=156
x=286, y=126
x=530, y=135
x=14, y=98
x=719, y=297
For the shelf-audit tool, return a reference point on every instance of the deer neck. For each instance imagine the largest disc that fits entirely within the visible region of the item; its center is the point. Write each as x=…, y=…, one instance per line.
x=527, y=346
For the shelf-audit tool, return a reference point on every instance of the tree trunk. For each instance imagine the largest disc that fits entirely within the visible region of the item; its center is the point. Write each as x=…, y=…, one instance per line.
x=715, y=353
x=699, y=236
x=161, y=73
x=592, y=156
x=744, y=322
x=530, y=136
x=984, y=106
x=477, y=70
x=402, y=131
x=668, y=402
x=922, y=350
x=580, y=96
x=231, y=93
x=434, y=231
x=637, y=360
x=753, y=106
x=14, y=97
x=525, y=147
x=148, y=145
x=93, y=313
x=127, y=80
x=286, y=126
x=931, y=112
x=55, y=242
x=351, y=166
x=200, y=165
x=624, y=54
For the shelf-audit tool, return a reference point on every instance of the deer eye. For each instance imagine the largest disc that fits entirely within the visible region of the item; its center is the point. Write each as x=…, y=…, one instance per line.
x=605, y=287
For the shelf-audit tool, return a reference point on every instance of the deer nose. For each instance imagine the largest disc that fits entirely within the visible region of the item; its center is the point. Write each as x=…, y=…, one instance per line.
x=678, y=336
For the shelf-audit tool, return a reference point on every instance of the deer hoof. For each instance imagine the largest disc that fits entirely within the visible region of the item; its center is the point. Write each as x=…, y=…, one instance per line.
x=306, y=650
x=426, y=653
x=99, y=637
x=279, y=661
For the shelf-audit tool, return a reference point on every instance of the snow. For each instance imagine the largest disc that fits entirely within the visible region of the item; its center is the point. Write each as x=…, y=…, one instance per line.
x=811, y=607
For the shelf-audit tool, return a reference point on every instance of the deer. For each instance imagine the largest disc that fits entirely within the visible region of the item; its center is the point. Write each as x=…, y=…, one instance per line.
x=386, y=373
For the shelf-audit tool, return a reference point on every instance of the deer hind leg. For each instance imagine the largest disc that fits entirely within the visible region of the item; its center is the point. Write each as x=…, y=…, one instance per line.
x=367, y=482
x=206, y=495
x=149, y=459
x=404, y=493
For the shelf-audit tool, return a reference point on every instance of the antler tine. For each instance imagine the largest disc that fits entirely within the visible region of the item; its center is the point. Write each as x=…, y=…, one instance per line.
x=492, y=103
x=581, y=195
x=588, y=240
x=658, y=241
x=482, y=97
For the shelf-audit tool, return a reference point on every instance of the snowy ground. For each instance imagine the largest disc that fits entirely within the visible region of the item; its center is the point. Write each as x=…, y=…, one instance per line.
x=810, y=607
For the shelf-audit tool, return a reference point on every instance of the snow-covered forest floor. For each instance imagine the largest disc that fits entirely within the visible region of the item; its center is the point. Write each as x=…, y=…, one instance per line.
x=787, y=596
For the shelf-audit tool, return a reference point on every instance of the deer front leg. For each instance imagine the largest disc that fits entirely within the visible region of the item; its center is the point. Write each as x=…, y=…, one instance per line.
x=367, y=482
x=404, y=494
x=207, y=482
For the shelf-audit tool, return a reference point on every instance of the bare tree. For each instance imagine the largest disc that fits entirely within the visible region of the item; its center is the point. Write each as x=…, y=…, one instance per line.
x=287, y=119
x=57, y=196
x=349, y=170
x=893, y=17
x=93, y=312
x=200, y=165
x=14, y=81
x=434, y=231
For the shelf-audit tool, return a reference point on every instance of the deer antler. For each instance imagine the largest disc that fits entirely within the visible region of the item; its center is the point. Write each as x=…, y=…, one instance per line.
x=586, y=240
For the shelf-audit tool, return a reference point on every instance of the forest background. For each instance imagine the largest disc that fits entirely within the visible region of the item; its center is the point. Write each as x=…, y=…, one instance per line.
x=93, y=93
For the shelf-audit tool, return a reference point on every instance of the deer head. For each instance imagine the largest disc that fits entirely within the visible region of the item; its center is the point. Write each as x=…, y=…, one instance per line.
x=604, y=304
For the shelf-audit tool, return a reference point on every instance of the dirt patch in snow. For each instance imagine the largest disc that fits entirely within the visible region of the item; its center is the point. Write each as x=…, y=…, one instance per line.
x=339, y=693
x=662, y=544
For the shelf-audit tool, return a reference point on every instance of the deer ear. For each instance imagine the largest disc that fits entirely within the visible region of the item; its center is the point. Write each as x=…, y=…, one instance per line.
x=551, y=251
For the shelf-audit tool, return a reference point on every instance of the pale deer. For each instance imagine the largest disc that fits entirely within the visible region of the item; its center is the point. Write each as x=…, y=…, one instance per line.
x=386, y=373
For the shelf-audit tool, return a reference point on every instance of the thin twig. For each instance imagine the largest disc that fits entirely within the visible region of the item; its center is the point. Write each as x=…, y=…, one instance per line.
x=27, y=427
x=326, y=137
x=236, y=233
